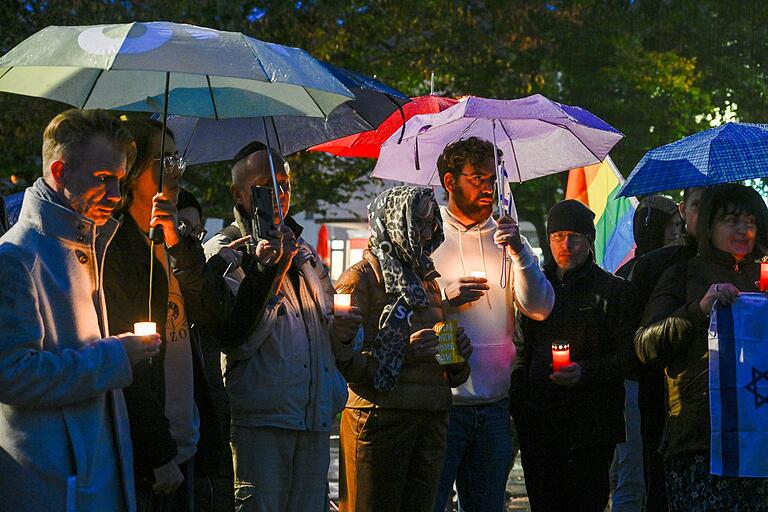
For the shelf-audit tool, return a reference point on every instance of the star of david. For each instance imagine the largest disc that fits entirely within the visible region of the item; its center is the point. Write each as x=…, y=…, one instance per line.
x=757, y=376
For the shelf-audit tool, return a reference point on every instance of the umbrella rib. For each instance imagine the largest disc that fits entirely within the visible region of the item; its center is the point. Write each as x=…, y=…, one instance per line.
x=325, y=114
x=574, y=136
x=6, y=71
x=277, y=135
x=514, y=153
x=213, y=101
x=90, y=91
x=258, y=59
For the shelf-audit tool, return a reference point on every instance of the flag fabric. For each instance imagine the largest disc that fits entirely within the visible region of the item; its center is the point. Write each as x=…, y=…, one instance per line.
x=738, y=388
x=597, y=187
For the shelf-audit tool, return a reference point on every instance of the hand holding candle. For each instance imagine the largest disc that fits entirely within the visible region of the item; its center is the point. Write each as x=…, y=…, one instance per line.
x=341, y=304
x=561, y=355
x=144, y=328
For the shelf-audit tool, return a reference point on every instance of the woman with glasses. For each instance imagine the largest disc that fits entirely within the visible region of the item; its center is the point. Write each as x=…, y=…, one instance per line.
x=165, y=423
x=732, y=234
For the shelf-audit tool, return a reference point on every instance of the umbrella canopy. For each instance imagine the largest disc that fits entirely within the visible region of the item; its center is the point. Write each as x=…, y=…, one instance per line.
x=209, y=73
x=203, y=140
x=538, y=137
x=731, y=152
x=368, y=144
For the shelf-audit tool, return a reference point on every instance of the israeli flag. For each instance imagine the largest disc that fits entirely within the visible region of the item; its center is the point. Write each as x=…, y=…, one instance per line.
x=738, y=385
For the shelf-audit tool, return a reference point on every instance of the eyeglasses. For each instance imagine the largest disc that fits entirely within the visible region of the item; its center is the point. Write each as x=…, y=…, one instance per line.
x=476, y=180
x=561, y=237
x=175, y=165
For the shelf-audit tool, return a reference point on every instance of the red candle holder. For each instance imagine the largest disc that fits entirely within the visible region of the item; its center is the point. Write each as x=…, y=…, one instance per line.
x=561, y=355
x=764, y=277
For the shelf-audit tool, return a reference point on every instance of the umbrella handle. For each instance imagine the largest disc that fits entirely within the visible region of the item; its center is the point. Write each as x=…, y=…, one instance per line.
x=272, y=171
x=156, y=233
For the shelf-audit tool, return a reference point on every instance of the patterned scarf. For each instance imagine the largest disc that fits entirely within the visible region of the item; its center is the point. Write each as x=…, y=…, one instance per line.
x=405, y=262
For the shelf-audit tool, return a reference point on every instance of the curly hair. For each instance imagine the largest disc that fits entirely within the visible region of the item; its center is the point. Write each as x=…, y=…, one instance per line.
x=455, y=156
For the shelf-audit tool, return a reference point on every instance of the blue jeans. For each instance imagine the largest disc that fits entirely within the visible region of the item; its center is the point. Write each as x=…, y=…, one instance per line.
x=627, y=480
x=478, y=457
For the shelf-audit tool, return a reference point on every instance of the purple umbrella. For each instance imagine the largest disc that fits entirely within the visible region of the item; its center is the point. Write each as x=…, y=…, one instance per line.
x=538, y=137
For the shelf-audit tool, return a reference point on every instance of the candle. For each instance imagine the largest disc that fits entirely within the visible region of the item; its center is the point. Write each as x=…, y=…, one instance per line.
x=144, y=328
x=561, y=355
x=764, y=277
x=341, y=303
x=477, y=273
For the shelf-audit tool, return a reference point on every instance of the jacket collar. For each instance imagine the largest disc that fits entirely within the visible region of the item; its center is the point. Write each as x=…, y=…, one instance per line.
x=550, y=268
x=47, y=212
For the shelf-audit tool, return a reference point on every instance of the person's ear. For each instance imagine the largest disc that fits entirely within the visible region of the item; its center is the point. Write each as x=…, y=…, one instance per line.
x=449, y=182
x=57, y=171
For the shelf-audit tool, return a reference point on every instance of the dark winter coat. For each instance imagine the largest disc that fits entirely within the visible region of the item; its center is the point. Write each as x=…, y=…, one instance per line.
x=593, y=313
x=126, y=278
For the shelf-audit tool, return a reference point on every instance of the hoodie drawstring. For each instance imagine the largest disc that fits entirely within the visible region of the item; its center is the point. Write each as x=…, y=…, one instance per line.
x=482, y=257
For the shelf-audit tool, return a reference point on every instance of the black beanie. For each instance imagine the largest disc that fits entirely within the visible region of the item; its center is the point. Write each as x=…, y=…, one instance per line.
x=187, y=200
x=571, y=215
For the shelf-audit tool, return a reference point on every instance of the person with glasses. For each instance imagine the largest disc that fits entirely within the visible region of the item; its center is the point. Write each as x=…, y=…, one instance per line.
x=164, y=416
x=570, y=419
x=480, y=436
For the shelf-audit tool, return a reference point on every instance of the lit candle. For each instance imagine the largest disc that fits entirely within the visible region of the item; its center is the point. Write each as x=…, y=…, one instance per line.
x=561, y=355
x=144, y=328
x=477, y=273
x=764, y=277
x=341, y=303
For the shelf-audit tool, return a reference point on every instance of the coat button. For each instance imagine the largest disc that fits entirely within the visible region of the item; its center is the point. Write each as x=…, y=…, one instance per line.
x=81, y=257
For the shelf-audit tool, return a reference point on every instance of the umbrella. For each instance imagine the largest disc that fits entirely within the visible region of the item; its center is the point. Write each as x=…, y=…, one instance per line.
x=537, y=136
x=368, y=144
x=202, y=72
x=731, y=152
x=203, y=140
x=181, y=69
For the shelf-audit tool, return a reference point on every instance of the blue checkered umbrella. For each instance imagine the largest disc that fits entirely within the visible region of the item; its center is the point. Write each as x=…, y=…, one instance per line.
x=728, y=153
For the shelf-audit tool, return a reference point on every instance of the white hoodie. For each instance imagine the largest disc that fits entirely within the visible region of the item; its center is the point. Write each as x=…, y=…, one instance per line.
x=490, y=321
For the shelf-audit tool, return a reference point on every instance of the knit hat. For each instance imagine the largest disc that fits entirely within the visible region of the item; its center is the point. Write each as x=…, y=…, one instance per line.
x=571, y=215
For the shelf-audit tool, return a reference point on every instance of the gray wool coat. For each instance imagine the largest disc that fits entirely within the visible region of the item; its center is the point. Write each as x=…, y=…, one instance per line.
x=64, y=433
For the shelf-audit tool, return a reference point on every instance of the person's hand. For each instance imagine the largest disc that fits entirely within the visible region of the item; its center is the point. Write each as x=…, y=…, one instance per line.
x=165, y=215
x=464, y=345
x=465, y=290
x=279, y=241
x=422, y=346
x=230, y=254
x=508, y=233
x=567, y=376
x=168, y=477
x=139, y=348
x=345, y=326
x=726, y=293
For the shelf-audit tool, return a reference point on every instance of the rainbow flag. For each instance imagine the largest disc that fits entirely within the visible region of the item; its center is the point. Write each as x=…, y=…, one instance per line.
x=596, y=186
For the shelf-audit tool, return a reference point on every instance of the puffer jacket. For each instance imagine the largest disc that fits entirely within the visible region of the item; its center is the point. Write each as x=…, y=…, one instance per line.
x=593, y=312
x=420, y=385
x=676, y=336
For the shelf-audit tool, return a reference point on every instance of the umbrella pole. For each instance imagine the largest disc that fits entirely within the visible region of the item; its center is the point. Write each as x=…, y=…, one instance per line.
x=502, y=212
x=274, y=175
x=156, y=233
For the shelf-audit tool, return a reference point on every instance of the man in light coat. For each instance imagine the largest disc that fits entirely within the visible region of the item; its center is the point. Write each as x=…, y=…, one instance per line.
x=470, y=265
x=279, y=360
x=64, y=440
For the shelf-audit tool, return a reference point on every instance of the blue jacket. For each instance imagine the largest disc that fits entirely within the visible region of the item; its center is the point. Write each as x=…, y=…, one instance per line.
x=64, y=434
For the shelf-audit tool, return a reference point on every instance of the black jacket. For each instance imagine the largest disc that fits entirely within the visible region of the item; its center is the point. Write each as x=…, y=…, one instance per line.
x=126, y=280
x=593, y=313
x=675, y=336
x=651, y=397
